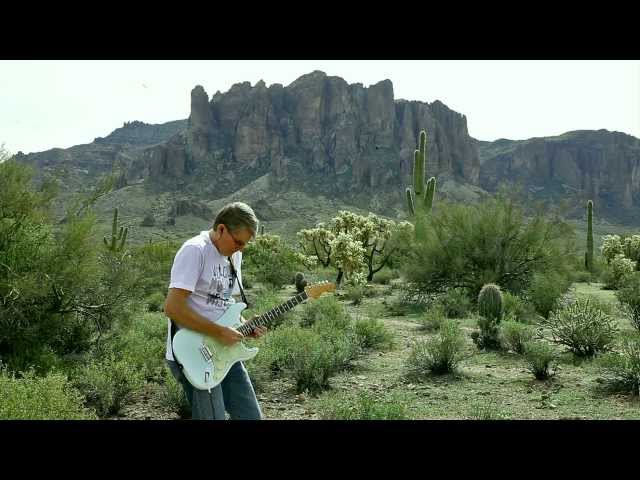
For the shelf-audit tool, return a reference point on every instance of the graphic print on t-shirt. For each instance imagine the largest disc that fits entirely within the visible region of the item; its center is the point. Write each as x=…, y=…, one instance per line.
x=220, y=287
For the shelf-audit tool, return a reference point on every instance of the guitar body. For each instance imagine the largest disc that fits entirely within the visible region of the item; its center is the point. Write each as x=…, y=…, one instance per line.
x=206, y=361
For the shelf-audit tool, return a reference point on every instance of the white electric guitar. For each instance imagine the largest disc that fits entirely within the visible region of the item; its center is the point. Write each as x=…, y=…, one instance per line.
x=205, y=361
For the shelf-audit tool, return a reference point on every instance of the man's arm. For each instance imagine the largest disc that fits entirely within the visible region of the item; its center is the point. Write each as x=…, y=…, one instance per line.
x=176, y=308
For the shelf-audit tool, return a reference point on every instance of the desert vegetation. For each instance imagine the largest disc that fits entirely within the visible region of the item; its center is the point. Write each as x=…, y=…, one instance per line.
x=467, y=311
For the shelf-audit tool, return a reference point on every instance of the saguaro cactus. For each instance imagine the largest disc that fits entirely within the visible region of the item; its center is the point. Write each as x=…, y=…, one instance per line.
x=421, y=205
x=118, y=237
x=588, y=256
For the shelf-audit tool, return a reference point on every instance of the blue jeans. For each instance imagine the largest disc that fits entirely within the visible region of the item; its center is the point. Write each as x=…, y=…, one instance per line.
x=234, y=394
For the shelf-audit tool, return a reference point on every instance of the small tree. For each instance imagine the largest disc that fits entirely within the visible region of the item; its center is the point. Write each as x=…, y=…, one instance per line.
x=468, y=246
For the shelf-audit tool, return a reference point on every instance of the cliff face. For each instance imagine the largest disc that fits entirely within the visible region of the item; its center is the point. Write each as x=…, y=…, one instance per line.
x=599, y=164
x=318, y=125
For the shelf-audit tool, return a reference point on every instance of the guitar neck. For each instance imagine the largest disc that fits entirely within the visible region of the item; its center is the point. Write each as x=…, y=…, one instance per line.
x=271, y=315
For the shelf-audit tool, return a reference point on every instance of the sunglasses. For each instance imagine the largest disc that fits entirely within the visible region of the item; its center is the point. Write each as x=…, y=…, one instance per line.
x=239, y=243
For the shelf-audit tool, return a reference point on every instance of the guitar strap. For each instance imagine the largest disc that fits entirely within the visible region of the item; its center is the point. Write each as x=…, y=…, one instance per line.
x=234, y=274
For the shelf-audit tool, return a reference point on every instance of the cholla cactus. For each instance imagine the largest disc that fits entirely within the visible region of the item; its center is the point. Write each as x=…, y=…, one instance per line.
x=621, y=268
x=611, y=246
x=490, y=303
x=631, y=247
x=348, y=253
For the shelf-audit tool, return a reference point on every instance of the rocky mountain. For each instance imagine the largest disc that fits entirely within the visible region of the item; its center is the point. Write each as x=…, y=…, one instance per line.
x=320, y=134
x=601, y=165
x=318, y=131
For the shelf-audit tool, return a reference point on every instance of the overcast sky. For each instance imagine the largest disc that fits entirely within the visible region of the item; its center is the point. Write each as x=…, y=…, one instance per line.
x=47, y=104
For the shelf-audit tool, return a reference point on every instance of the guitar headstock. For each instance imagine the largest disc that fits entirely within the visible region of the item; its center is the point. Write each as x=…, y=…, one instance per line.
x=314, y=291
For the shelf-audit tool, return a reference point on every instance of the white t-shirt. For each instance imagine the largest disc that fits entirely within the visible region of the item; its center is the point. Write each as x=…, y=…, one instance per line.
x=200, y=268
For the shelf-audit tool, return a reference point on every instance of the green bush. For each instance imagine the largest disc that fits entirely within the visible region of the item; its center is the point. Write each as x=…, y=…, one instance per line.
x=173, y=396
x=355, y=293
x=313, y=362
x=59, y=290
x=583, y=327
x=545, y=290
x=155, y=302
x=271, y=261
x=364, y=407
x=621, y=370
x=384, y=276
x=438, y=354
x=371, y=333
x=518, y=309
x=433, y=317
x=108, y=384
x=143, y=344
x=629, y=297
x=514, y=335
x=30, y=397
x=456, y=303
x=541, y=359
x=470, y=245
x=326, y=310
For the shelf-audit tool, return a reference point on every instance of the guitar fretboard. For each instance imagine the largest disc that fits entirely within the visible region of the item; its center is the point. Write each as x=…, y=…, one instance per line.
x=272, y=314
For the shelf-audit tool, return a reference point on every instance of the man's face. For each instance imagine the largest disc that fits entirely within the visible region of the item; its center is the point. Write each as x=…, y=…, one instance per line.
x=231, y=242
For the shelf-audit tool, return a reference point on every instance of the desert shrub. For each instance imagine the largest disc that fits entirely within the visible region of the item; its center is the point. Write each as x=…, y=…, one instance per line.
x=173, y=396
x=545, y=290
x=517, y=308
x=60, y=291
x=326, y=310
x=107, y=384
x=31, y=397
x=470, y=245
x=438, y=354
x=154, y=260
x=371, y=333
x=143, y=345
x=384, y=276
x=583, y=327
x=271, y=261
x=456, y=303
x=355, y=293
x=411, y=300
x=433, y=317
x=155, y=302
x=540, y=358
x=364, y=407
x=629, y=297
x=621, y=370
x=313, y=362
x=514, y=335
